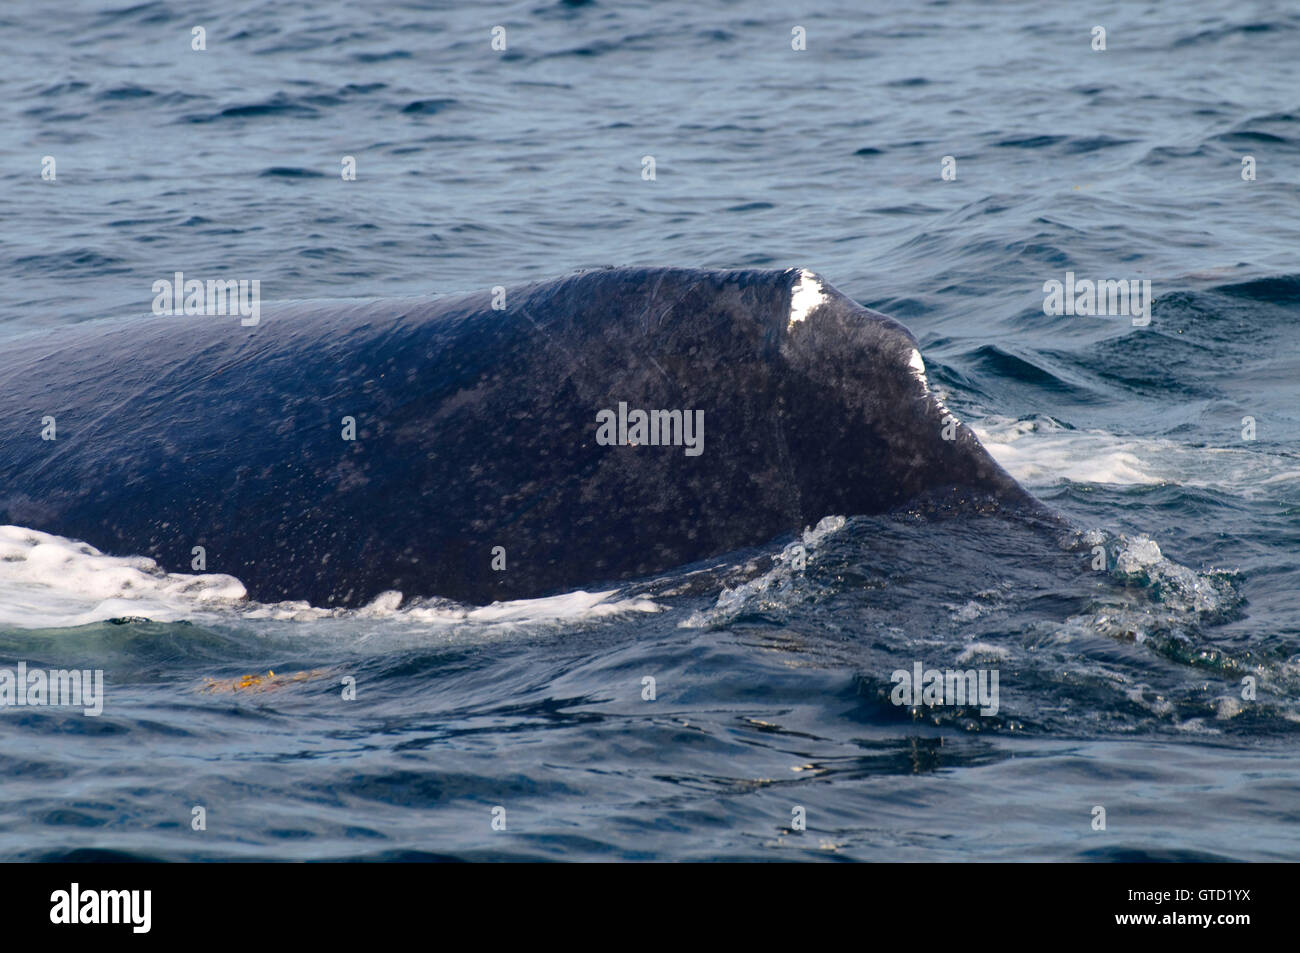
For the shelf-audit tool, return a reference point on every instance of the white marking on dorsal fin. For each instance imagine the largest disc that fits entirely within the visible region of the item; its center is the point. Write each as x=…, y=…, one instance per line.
x=918, y=365
x=918, y=371
x=806, y=295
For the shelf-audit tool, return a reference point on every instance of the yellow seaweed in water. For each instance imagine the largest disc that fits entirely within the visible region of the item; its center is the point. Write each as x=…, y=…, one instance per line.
x=259, y=683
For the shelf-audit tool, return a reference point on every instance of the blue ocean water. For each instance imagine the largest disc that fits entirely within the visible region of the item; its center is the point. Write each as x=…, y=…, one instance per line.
x=1121, y=688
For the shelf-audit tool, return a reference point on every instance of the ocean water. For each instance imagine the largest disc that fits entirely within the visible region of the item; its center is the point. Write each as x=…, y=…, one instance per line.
x=1125, y=687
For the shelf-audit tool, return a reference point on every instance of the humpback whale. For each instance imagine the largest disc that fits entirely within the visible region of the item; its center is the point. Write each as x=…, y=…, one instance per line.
x=585, y=430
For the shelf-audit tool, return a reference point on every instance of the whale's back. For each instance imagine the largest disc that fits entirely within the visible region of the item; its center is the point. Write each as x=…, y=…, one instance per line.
x=339, y=449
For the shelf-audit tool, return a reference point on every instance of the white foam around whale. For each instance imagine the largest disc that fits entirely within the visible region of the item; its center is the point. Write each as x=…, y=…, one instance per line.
x=1040, y=452
x=777, y=586
x=48, y=582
